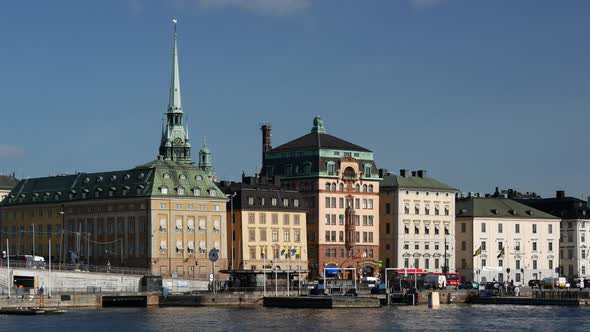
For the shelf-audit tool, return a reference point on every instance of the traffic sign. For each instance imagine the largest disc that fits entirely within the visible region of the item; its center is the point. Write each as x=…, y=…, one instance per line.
x=213, y=255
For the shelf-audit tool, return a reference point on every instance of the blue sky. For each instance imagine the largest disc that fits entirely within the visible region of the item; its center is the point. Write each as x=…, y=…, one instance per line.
x=481, y=93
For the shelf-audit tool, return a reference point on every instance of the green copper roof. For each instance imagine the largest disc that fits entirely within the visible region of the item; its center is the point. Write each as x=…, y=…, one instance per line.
x=179, y=178
x=495, y=207
x=413, y=182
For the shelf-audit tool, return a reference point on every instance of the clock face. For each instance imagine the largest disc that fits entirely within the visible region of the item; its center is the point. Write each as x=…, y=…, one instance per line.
x=178, y=140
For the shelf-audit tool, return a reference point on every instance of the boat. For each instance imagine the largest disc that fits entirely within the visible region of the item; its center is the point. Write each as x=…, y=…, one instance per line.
x=31, y=311
x=21, y=311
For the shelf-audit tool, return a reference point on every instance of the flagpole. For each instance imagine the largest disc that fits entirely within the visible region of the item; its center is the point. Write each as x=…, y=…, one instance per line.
x=299, y=271
x=288, y=268
x=8, y=281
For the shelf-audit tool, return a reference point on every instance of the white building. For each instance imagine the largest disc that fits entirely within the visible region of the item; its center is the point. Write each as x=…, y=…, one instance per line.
x=575, y=231
x=501, y=239
x=417, y=216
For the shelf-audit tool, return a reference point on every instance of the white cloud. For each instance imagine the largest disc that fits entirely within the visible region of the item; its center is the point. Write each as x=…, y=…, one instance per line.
x=259, y=7
x=425, y=4
x=11, y=152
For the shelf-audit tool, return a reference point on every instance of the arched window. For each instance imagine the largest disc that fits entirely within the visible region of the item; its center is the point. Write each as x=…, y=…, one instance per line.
x=199, y=178
x=164, y=190
x=357, y=188
x=328, y=186
x=341, y=187
x=166, y=176
x=370, y=188
x=364, y=188
x=182, y=177
x=180, y=190
x=333, y=186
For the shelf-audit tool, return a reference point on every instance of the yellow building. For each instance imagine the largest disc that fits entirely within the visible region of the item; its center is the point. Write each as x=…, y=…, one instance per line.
x=165, y=215
x=269, y=229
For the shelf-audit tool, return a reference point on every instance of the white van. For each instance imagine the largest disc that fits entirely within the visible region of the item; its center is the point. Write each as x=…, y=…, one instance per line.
x=39, y=262
x=436, y=281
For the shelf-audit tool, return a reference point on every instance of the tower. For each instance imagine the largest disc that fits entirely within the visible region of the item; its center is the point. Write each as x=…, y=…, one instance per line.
x=175, y=144
x=205, y=160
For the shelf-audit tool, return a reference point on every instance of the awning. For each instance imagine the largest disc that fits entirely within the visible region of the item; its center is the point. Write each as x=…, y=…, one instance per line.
x=191, y=245
x=331, y=269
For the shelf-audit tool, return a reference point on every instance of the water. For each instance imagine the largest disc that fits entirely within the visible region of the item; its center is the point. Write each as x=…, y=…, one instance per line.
x=420, y=318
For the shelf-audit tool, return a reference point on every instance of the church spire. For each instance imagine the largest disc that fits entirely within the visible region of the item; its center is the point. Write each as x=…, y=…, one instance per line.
x=174, y=144
x=174, y=103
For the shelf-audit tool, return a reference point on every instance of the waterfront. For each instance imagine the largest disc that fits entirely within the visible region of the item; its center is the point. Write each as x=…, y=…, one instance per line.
x=446, y=318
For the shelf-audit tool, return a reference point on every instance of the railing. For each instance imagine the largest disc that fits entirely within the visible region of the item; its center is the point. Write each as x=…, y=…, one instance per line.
x=561, y=294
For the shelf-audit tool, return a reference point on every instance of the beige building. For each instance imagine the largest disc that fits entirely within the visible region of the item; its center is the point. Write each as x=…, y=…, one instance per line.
x=164, y=216
x=501, y=239
x=417, y=216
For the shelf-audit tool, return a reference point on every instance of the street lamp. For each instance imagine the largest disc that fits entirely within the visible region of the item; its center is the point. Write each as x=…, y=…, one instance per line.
x=63, y=223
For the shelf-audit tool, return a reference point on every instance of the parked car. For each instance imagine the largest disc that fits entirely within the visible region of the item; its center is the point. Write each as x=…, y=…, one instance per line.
x=535, y=283
x=436, y=281
x=548, y=283
x=469, y=285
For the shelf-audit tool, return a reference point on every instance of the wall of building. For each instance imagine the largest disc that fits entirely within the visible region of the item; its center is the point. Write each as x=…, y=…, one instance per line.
x=574, y=247
x=416, y=210
x=520, y=253
x=171, y=245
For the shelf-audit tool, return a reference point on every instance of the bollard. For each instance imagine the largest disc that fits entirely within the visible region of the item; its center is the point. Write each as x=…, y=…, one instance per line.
x=434, y=300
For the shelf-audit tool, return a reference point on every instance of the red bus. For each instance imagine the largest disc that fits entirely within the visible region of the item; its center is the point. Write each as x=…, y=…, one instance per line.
x=453, y=278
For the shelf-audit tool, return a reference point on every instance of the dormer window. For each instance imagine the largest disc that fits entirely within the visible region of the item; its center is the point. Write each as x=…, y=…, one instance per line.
x=86, y=180
x=99, y=179
x=212, y=192
x=182, y=177
x=331, y=168
x=166, y=176
x=113, y=177
x=164, y=190
x=196, y=192
x=140, y=176
x=127, y=176
x=367, y=171
x=199, y=178
x=180, y=191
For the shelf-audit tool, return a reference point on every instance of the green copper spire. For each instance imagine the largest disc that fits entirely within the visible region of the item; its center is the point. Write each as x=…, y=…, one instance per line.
x=318, y=125
x=205, y=159
x=174, y=103
x=174, y=144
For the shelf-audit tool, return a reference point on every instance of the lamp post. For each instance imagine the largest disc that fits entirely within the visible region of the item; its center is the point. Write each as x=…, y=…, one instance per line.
x=63, y=223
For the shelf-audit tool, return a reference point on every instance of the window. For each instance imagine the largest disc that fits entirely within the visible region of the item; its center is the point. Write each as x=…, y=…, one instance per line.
x=387, y=228
x=550, y=229
x=426, y=210
x=275, y=219
x=296, y=203
x=500, y=262
x=367, y=171
x=196, y=192
x=463, y=245
x=286, y=220
x=534, y=228
x=500, y=228
x=275, y=235
x=263, y=234
x=333, y=236
x=341, y=187
x=370, y=204
x=250, y=200
x=416, y=246
x=483, y=245
x=517, y=262
x=447, y=230
x=517, y=246
x=297, y=235
x=164, y=190
x=500, y=246
x=251, y=219
x=463, y=227
x=416, y=209
x=327, y=219
x=406, y=229
x=341, y=236
x=483, y=227
x=331, y=168
x=534, y=246
x=341, y=202
x=364, y=188
x=407, y=209
x=371, y=188
x=550, y=246
x=341, y=219
x=273, y=202
x=387, y=208
x=436, y=211
x=483, y=263
x=357, y=187
x=406, y=246
x=517, y=228
x=550, y=264
x=296, y=220
x=416, y=229
x=180, y=190
x=446, y=210
x=406, y=263
x=212, y=192
x=436, y=263
x=364, y=203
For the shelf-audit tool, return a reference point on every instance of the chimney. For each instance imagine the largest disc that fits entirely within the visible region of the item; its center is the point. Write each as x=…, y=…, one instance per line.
x=560, y=194
x=383, y=172
x=266, y=129
x=413, y=173
x=422, y=173
x=404, y=173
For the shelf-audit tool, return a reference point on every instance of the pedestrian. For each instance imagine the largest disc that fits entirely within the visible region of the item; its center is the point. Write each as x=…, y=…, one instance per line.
x=41, y=293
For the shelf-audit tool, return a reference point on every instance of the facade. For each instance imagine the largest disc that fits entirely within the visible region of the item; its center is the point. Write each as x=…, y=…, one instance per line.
x=499, y=238
x=339, y=183
x=6, y=185
x=269, y=226
x=165, y=215
x=575, y=230
x=417, y=222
